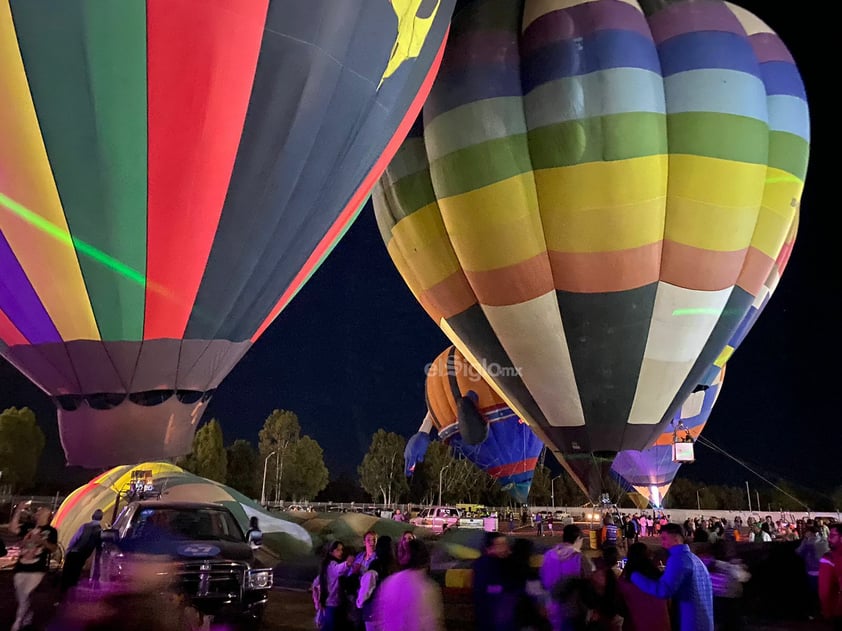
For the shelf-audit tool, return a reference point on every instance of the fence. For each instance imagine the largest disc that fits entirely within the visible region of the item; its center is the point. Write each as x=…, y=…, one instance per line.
x=8, y=501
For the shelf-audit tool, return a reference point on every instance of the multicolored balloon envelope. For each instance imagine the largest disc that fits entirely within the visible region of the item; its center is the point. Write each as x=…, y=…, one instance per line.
x=593, y=202
x=510, y=450
x=650, y=472
x=171, y=173
x=178, y=485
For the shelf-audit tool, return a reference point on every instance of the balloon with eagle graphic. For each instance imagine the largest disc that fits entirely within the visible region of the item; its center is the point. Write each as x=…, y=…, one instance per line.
x=171, y=174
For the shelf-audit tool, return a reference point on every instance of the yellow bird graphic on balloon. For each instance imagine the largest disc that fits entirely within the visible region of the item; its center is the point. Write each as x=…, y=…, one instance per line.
x=412, y=33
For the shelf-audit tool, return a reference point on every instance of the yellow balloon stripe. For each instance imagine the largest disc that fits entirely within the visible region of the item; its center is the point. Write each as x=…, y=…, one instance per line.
x=50, y=264
x=603, y=206
x=496, y=225
x=425, y=248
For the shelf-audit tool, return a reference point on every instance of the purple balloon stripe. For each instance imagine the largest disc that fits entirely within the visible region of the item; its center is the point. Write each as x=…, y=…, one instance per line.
x=480, y=48
x=583, y=20
x=19, y=301
x=690, y=17
x=769, y=47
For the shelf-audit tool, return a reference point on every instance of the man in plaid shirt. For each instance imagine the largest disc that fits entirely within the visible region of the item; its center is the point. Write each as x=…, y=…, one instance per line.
x=685, y=580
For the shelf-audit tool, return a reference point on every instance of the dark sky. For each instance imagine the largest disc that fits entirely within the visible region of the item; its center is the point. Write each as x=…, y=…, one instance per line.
x=348, y=354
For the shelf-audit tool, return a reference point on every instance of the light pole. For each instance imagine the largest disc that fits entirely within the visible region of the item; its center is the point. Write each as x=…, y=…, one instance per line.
x=440, y=477
x=552, y=490
x=263, y=489
x=698, y=502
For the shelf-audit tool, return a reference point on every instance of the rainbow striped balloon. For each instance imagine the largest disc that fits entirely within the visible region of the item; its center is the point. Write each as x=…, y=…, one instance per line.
x=596, y=198
x=171, y=174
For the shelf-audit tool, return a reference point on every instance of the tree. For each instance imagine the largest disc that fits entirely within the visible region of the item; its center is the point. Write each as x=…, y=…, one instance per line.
x=465, y=482
x=306, y=470
x=343, y=488
x=280, y=431
x=682, y=494
x=428, y=472
x=21, y=444
x=382, y=470
x=540, y=493
x=242, y=468
x=208, y=458
x=567, y=492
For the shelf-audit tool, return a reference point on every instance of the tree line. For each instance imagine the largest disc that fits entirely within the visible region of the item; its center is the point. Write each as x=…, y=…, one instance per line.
x=287, y=465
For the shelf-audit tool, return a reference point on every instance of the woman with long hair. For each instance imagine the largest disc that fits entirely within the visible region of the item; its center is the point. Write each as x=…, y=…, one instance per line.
x=334, y=566
x=643, y=612
x=383, y=565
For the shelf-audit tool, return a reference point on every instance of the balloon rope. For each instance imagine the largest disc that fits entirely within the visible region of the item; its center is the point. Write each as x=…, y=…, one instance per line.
x=707, y=443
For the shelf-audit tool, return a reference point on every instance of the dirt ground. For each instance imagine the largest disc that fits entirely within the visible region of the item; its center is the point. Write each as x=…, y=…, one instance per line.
x=292, y=610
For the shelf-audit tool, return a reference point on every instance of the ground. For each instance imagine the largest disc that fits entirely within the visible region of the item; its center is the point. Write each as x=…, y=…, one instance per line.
x=291, y=608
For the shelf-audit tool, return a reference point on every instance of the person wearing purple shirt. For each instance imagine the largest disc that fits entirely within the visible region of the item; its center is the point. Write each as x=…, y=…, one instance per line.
x=685, y=580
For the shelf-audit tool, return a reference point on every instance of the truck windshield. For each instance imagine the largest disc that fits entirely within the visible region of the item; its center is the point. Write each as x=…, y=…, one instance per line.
x=185, y=523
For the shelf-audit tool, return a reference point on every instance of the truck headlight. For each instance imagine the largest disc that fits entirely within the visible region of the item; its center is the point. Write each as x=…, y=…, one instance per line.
x=259, y=579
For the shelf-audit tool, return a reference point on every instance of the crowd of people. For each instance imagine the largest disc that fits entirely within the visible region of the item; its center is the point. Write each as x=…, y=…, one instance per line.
x=624, y=585
x=386, y=586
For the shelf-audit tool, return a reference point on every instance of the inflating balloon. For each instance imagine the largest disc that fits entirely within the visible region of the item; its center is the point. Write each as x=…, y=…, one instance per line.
x=595, y=199
x=171, y=173
x=509, y=451
x=650, y=472
x=177, y=485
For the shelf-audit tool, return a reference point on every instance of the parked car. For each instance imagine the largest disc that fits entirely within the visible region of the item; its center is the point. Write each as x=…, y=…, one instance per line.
x=438, y=518
x=214, y=566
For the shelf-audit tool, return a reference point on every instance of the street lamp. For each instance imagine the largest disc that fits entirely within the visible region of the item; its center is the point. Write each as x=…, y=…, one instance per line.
x=698, y=502
x=263, y=490
x=552, y=490
x=440, y=476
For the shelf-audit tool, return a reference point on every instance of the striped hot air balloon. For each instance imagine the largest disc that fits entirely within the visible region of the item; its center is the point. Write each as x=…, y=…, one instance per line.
x=171, y=173
x=596, y=196
x=650, y=472
x=179, y=486
x=508, y=450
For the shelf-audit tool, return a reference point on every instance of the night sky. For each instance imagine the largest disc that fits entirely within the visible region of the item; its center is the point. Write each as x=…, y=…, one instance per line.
x=348, y=354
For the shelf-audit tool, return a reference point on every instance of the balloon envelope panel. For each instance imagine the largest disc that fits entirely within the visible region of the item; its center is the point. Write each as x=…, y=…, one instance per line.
x=553, y=210
x=171, y=173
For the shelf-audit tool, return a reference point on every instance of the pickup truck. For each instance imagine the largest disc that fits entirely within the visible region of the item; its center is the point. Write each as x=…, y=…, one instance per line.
x=211, y=561
x=442, y=518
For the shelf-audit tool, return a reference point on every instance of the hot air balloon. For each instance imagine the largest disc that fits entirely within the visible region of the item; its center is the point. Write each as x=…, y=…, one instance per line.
x=650, y=472
x=178, y=485
x=171, y=173
x=508, y=451
x=593, y=200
